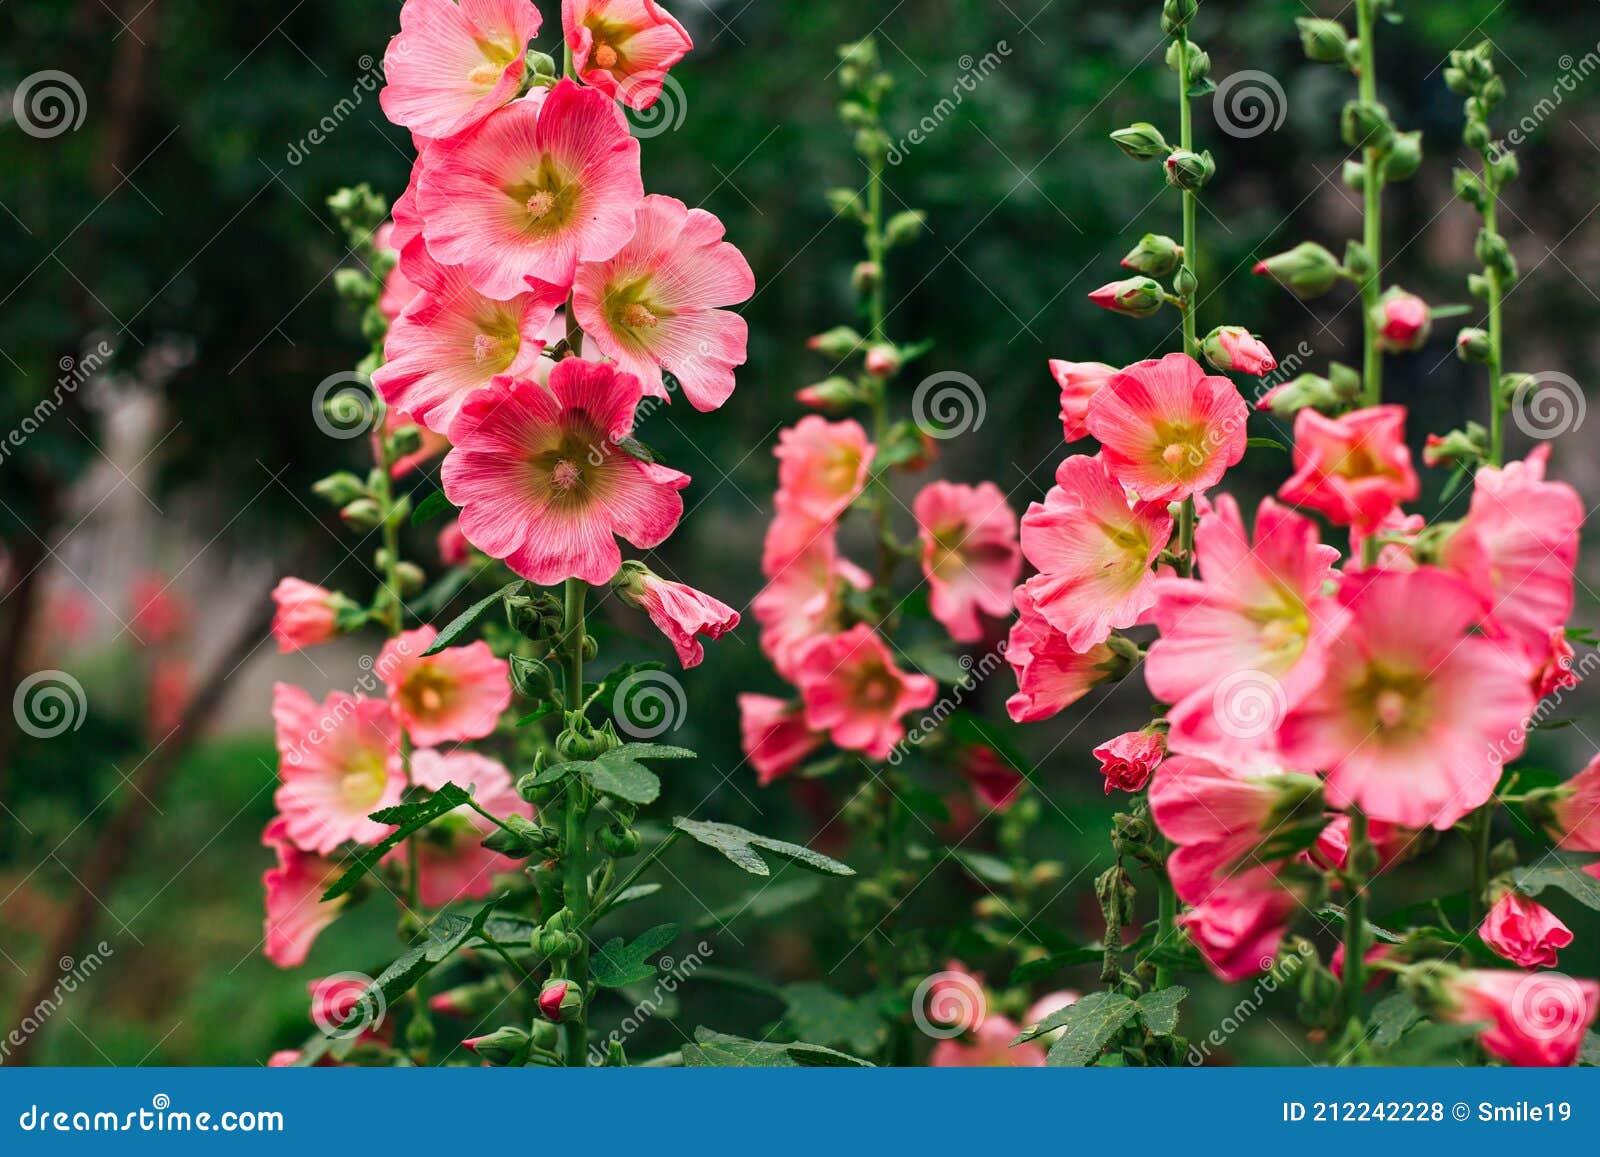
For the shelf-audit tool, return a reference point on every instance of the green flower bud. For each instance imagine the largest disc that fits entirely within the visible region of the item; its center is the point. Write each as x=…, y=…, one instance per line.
x=904, y=227
x=362, y=515
x=1155, y=255
x=1176, y=14
x=1354, y=176
x=1404, y=157
x=339, y=489
x=521, y=838
x=507, y=1045
x=1134, y=296
x=1190, y=170
x=1473, y=345
x=1365, y=125
x=1323, y=40
x=831, y=395
x=1141, y=141
x=1307, y=270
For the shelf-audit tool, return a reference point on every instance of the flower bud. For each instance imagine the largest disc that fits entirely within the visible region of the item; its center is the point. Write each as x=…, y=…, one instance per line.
x=904, y=227
x=521, y=838
x=844, y=202
x=1473, y=345
x=1468, y=186
x=1141, y=141
x=1307, y=270
x=405, y=440
x=531, y=677
x=883, y=361
x=1505, y=166
x=1154, y=256
x=1403, y=321
x=1232, y=347
x=619, y=841
x=1354, y=176
x=866, y=276
x=838, y=342
x=1404, y=157
x=1199, y=61
x=506, y=1045
x=560, y=1000
x=1456, y=80
x=1176, y=14
x=831, y=394
x=411, y=577
x=1190, y=170
x=1365, y=125
x=1134, y=296
x=1306, y=392
x=362, y=515
x=1323, y=40
x=468, y=999
x=1467, y=446
x=339, y=489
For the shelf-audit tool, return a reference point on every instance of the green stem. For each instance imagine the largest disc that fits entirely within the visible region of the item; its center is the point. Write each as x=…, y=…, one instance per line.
x=1480, y=830
x=1355, y=915
x=607, y=899
x=1191, y=257
x=572, y=631
x=1166, y=922
x=1372, y=216
x=575, y=845
x=1497, y=405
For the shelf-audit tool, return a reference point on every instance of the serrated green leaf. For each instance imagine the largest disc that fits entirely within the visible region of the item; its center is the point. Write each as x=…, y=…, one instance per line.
x=1583, y=888
x=1390, y=1018
x=409, y=818
x=435, y=504
x=469, y=618
x=621, y=962
x=1590, y=1055
x=622, y=779
x=1090, y=1024
x=739, y=846
x=718, y=1050
x=1159, y=1009
x=651, y=751
x=817, y=1013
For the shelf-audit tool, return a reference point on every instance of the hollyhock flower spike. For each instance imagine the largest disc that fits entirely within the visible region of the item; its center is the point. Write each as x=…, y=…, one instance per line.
x=1128, y=760
x=1051, y=676
x=679, y=611
x=1355, y=469
x=532, y=191
x=1094, y=551
x=623, y=47
x=658, y=304
x=306, y=614
x=775, y=737
x=1524, y=931
x=1079, y=382
x=823, y=466
x=1415, y=717
x=453, y=863
x=1530, y=1018
x=854, y=691
x=455, y=695
x=1248, y=640
x=542, y=483
x=452, y=64
x=1167, y=430
x=294, y=887
x=337, y=761
x=969, y=554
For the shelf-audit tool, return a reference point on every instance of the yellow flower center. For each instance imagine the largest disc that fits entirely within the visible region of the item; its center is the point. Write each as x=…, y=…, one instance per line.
x=605, y=56
x=539, y=203
x=363, y=780
x=639, y=316
x=426, y=691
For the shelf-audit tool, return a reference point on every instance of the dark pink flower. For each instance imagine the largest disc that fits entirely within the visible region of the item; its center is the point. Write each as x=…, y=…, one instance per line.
x=1529, y=1018
x=679, y=611
x=306, y=614
x=1128, y=760
x=854, y=691
x=1051, y=675
x=775, y=736
x=1524, y=931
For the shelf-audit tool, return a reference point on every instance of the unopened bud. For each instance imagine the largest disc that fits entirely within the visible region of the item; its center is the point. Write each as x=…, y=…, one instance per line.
x=883, y=361
x=339, y=489
x=1323, y=40
x=830, y=394
x=362, y=515
x=1232, y=348
x=838, y=342
x=1154, y=256
x=1141, y=141
x=1307, y=270
x=904, y=227
x=866, y=276
x=1403, y=321
x=560, y=1000
x=1134, y=296
x=1404, y=157
x=1366, y=125
x=1190, y=170
x=1466, y=447
x=1473, y=345
x=507, y=1045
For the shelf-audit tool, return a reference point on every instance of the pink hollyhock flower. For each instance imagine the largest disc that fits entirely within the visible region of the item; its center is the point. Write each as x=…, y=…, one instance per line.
x=454, y=549
x=679, y=611
x=1232, y=348
x=1240, y=924
x=294, y=887
x=656, y=305
x=542, y=483
x=451, y=65
x=532, y=191
x=1530, y=1018
x=1051, y=675
x=1554, y=672
x=994, y=781
x=854, y=691
x=452, y=340
x=455, y=695
x=774, y=735
x=989, y=1046
x=306, y=614
x=1391, y=841
x=1524, y=931
x=804, y=589
x=623, y=47
x=1248, y=641
x=969, y=554
x=1392, y=555
x=1518, y=547
x=1404, y=321
x=1128, y=760
x=1415, y=717
x=1575, y=816
x=338, y=761
x=1355, y=468
x=1079, y=382
x=453, y=863
x=159, y=616
x=1167, y=429
x=823, y=465
x=1094, y=552
x=398, y=289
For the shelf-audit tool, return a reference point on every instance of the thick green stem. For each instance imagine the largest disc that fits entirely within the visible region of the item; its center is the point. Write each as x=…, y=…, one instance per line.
x=1191, y=256
x=1480, y=829
x=1372, y=216
x=575, y=845
x=1166, y=923
x=1355, y=915
x=1496, y=294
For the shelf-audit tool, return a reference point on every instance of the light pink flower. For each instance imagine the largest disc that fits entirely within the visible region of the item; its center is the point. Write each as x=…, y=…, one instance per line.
x=989, y=1046
x=338, y=761
x=804, y=591
x=453, y=863
x=542, y=483
x=306, y=614
x=1051, y=675
x=623, y=47
x=1240, y=924
x=455, y=695
x=294, y=887
x=775, y=736
x=452, y=340
x=1355, y=468
x=657, y=304
x=398, y=289
x=1530, y=1018
x=451, y=65
x=823, y=466
x=1128, y=760
x=679, y=611
x=1518, y=547
x=454, y=549
x=969, y=554
x=1575, y=816
x=1079, y=382
x=1167, y=429
x=994, y=781
x=1248, y=640
x=1094, y=551
x=532, y=191
x=854, y=691
x=1415, y=717
x=1524, y=931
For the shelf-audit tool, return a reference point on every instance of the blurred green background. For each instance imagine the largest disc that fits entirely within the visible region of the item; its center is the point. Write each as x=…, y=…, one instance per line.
x=182, y=224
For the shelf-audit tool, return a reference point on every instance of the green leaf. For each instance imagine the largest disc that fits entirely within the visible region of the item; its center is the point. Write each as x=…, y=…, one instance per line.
x=619, y=963
x=1591, y=1049
x=939, y=664
x=1090, y=1025
x=1461, y=474
x=1176, y=954
x=539, y=713
x=622, y=779
x=1033, y=971
x=409, y=818
x=469, y=618
x=770, y=899
x=718, y=1050
x=816, y=1012
x=1432, y=1044
x=1202, y=88
x=1265, y=444
x=435, y=504
x=631, y=896
x=650, y=751
x=1390, y=1018
x=988, y=869
x=1584, y=889
x=1159, y=1009
x=740, y=846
